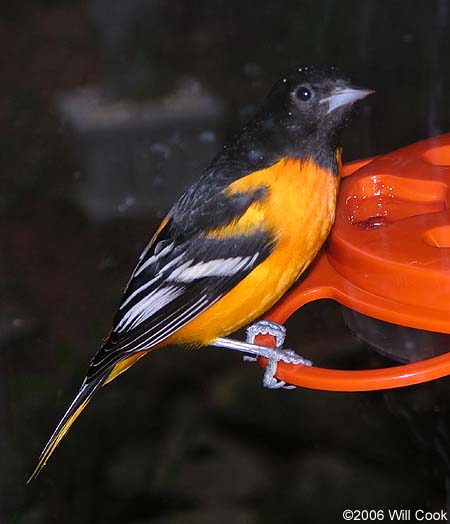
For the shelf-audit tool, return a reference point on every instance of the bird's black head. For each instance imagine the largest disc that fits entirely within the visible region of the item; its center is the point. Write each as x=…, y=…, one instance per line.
x=309, y=106
x=301, y=118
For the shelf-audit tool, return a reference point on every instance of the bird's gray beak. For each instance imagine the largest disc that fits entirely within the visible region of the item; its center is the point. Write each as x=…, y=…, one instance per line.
x=345, y=97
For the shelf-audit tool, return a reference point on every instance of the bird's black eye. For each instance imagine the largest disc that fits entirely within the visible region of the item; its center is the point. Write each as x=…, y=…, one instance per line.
x=303, y=93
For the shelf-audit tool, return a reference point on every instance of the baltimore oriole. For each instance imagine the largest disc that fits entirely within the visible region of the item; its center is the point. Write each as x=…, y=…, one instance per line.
x=238, y=238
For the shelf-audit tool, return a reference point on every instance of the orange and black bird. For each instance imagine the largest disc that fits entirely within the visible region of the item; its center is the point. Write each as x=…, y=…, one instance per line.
x=237, y=239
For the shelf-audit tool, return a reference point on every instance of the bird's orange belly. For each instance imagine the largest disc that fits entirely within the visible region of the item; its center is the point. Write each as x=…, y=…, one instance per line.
x=298, y=212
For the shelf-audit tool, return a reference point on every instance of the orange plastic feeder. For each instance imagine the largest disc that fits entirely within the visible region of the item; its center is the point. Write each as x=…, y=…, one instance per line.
x=387, y=261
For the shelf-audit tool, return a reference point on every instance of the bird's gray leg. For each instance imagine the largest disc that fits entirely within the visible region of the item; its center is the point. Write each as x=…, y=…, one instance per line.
x=273, y=355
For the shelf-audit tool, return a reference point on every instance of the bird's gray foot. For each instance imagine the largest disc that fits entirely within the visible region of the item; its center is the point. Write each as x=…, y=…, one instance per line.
x=266, y=327
x=273, y=355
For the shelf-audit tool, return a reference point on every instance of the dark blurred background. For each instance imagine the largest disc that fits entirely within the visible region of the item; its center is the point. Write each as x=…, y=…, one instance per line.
x=108, y=109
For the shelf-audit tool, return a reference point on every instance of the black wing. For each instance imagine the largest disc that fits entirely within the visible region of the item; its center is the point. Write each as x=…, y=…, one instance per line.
x=175, y=280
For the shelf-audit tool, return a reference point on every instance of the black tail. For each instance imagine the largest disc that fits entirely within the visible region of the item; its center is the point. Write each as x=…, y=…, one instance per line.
x=78, y=404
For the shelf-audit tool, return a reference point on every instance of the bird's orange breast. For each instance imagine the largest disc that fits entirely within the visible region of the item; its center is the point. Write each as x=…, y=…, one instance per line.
x=298, y=212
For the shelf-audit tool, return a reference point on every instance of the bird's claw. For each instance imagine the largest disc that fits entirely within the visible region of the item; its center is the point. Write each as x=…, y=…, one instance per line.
x=265, y=327
x=269, y=379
